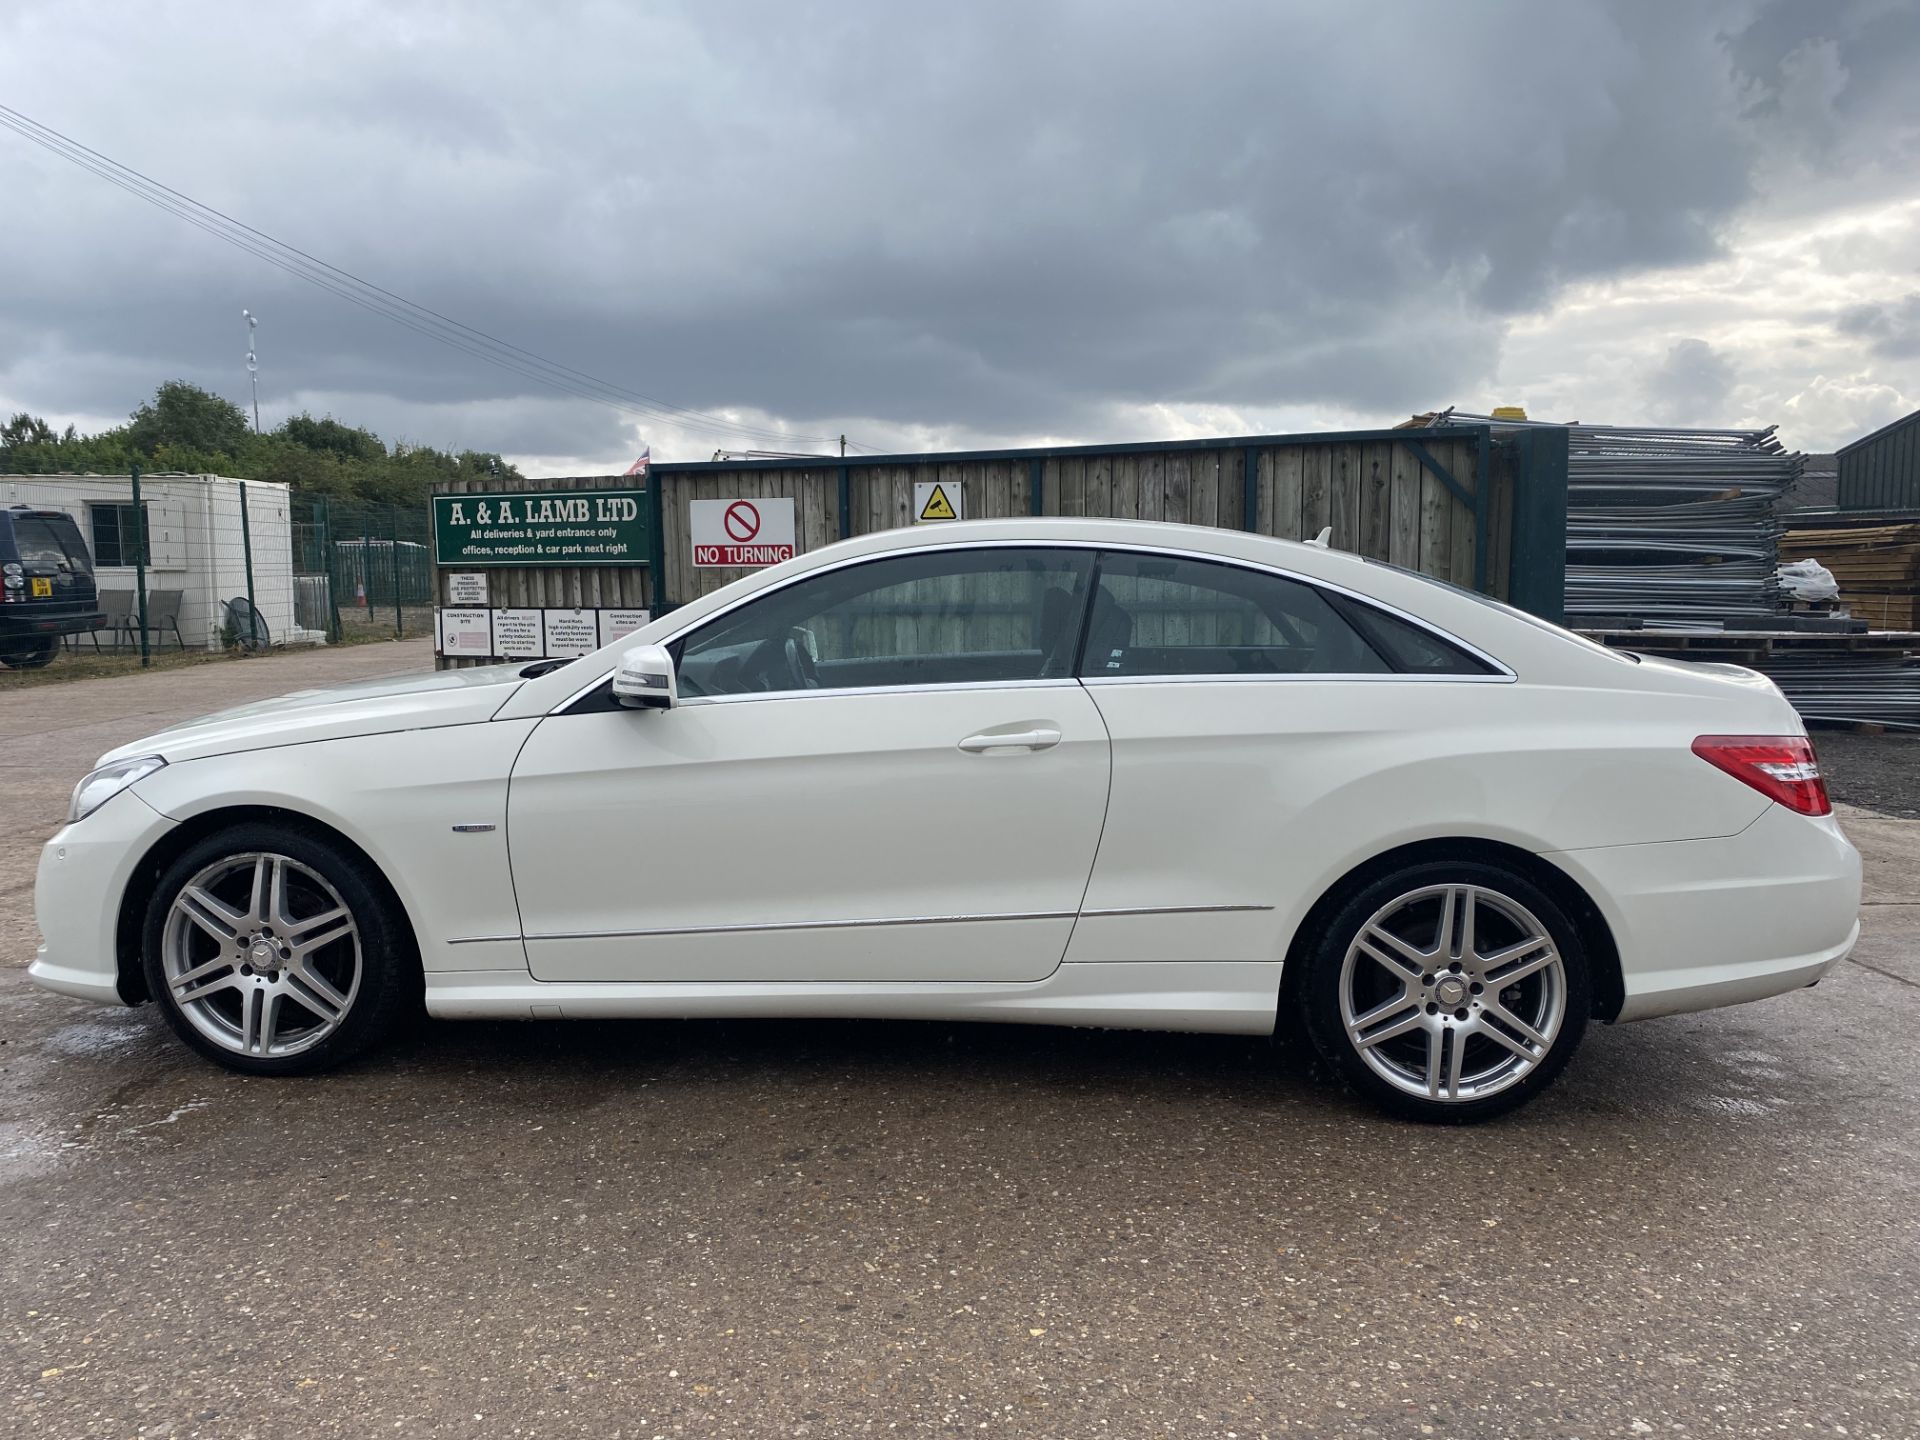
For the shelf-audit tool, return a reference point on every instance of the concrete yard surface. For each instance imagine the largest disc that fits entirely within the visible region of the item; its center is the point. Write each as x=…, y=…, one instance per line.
x=50, y=735
x=1709, y=1227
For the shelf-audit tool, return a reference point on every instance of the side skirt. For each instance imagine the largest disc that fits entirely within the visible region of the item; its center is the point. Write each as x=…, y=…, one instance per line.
x=1219, y=996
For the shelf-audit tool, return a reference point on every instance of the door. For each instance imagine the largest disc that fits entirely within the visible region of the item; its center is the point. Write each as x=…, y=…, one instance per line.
x=1259, y=724
x=883, y=772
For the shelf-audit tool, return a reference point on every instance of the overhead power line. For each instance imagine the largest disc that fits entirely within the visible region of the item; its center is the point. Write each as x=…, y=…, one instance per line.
x=385, y=303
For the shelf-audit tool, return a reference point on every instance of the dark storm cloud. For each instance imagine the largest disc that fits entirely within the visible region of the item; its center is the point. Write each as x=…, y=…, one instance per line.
x=1002, y=218
x=1892, y=330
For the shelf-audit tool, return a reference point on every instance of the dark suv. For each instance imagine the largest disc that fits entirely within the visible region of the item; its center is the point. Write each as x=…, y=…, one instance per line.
x=46, y=585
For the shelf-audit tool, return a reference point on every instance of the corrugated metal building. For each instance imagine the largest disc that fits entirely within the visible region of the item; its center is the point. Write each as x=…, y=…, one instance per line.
x=1818, y=487
x=1881, y=471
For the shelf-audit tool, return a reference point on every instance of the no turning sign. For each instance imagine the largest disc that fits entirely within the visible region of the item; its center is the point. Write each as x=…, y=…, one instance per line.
x=744, y=533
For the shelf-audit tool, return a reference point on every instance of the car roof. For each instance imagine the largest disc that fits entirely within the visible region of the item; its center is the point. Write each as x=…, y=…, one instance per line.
x=1522, y=644
x=1086, y=530
x=1314, y=562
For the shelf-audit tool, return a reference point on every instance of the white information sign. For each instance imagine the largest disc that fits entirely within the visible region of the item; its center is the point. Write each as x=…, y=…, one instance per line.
x=615, y=623
x=519, y=635
x=571, y=632
x=937, y=500
x=466, y=632
x=467, y=587
x=750, y=533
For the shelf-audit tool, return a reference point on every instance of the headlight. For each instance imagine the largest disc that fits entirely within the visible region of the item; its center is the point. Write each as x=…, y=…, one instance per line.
x=102, y=785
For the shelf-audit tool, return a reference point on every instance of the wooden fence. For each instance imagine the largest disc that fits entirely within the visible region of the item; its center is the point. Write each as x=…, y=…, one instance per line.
x=1457, y=503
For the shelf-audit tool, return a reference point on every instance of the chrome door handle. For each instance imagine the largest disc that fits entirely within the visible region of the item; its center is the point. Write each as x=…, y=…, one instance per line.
x=1043, y=737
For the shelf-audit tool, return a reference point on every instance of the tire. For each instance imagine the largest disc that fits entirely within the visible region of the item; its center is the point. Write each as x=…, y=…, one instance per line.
x=35, y=653
x=1384, y=986
x=271, y=951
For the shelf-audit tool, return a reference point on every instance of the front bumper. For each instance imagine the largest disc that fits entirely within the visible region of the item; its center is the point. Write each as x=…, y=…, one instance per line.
x=1705, y=923
x=84, y=871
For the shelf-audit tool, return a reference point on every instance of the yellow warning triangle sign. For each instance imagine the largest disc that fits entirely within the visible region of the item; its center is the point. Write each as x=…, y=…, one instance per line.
x=938, y=507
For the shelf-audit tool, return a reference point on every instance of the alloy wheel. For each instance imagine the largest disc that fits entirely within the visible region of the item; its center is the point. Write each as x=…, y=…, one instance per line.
x=1453, y=992
x=261, y=955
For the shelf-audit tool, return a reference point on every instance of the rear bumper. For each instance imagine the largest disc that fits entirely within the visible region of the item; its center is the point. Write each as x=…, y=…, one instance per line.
x=22, y=623
x=1705, y=923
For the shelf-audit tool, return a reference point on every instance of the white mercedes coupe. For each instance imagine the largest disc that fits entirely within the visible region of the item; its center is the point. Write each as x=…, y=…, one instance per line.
x=1078, y=772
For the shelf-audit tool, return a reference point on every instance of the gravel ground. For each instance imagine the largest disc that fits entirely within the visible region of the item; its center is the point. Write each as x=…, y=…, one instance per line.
x=1877, y=772
x=800, y=1229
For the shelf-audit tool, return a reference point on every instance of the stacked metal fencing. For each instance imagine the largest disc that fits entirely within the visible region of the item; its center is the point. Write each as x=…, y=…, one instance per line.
x=1866, y=688
x=1671, y=526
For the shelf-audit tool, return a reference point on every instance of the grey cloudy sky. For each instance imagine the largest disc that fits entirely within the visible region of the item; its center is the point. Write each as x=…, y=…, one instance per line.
x=940, y=225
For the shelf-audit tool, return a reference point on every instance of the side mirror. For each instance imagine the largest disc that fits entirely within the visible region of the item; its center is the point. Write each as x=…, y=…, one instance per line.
x=645, y=679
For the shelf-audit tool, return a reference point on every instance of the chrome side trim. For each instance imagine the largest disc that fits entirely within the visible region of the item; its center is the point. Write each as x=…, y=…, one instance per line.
x=482, y=939
x=769, y=926
x=1059, y=682
x=773, y=926
x=1170, y=910
x=1303, y=678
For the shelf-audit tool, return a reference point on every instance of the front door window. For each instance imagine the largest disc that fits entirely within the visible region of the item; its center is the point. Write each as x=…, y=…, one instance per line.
x=946, y=617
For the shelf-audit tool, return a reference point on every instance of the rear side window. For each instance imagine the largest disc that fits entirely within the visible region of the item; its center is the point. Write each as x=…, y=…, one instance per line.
x=1166, y=615
x=1409, y=648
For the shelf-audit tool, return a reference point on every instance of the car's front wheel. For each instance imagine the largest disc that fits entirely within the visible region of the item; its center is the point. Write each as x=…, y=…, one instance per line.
x=272, y=951
x=1448, y=992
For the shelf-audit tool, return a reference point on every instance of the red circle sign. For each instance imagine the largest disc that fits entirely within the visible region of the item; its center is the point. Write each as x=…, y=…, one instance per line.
x=742, y=521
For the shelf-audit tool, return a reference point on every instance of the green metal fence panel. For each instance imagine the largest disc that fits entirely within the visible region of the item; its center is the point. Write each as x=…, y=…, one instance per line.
x=366, y=567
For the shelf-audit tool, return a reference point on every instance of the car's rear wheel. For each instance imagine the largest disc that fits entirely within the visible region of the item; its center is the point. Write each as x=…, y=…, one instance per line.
x=1448, y=992
x=273, y=952
x=31, y=653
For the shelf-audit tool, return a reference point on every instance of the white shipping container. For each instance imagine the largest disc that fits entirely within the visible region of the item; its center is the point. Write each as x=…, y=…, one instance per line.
x=194, y=544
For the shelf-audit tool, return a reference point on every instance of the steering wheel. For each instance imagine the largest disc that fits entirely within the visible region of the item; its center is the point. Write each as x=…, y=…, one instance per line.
x=800, y=666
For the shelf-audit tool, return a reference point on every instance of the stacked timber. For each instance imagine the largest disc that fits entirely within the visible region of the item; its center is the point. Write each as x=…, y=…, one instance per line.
x=1877, y=567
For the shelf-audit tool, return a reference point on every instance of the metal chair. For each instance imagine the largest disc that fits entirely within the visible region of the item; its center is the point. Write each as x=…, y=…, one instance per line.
x=117, y=608
x=163, y=613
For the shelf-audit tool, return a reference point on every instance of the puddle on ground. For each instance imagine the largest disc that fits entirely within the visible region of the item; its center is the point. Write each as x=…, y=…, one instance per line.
x=26, y=1151
x=101, y=1037
x=1737, y=1105
x=1751, y=1069
x=74, y=1055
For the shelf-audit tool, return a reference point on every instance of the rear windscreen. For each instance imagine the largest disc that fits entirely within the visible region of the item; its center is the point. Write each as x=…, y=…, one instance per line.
x=47, y=542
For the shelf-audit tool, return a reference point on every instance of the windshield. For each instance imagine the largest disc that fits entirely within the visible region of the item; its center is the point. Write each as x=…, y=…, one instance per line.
x=50, y=542
x=1505, y=609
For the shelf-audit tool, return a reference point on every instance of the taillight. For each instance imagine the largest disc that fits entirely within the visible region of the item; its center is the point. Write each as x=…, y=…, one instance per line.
x=1780, y=767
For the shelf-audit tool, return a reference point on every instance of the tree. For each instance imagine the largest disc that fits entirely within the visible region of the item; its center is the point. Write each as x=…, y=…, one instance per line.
x=184, y=417
x=189, y=429
x=25, y=429
x=349, y=442
x=29, y=446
